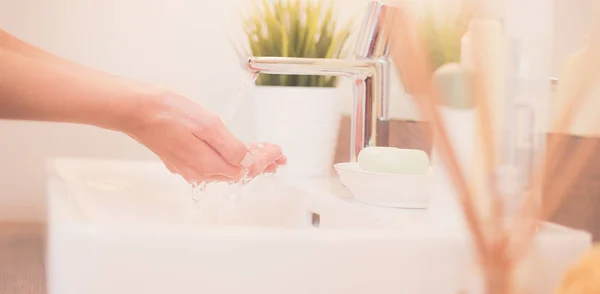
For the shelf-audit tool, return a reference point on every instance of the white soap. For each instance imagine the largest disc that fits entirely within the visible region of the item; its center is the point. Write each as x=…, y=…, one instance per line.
x=393, y=160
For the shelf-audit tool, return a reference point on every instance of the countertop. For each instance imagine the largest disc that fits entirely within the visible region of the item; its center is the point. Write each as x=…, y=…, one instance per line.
x=22, y=259
x=22, y=246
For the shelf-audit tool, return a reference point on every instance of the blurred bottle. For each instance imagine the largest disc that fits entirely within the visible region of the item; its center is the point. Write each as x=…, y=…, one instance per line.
x=529, y=27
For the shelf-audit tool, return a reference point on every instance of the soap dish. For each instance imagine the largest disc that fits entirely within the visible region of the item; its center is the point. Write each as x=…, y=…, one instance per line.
x=383, y=189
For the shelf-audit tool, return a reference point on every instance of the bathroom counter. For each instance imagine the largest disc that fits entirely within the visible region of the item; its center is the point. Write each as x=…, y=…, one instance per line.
x=332, y=187
x=22, y=258
x=22, y=251
x=22, y=246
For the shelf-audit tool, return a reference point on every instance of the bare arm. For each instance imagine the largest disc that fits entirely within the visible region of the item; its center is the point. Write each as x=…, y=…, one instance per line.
x=191, y=141
x=36, y=85
x=11, y=43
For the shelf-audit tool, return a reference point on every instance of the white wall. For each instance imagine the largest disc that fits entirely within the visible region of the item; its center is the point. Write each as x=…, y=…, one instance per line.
x=179, y=43
x=573, y=19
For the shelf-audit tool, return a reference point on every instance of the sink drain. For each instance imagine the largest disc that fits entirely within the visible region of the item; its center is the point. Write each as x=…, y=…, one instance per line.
x=315, y=219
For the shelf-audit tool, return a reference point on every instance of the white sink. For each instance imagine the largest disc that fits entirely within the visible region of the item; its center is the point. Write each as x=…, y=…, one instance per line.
x=132, y=227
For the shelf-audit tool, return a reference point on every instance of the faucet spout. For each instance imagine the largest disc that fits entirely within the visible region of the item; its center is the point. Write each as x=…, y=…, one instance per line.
x=370, y=71
x=312, y=66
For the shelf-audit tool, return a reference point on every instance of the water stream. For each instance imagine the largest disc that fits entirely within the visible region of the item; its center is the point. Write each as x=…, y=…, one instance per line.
x=232, y=193
x=238, y=99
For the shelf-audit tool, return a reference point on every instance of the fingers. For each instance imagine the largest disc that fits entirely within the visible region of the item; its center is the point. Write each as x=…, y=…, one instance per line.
x=211, y=164
x=281, y=160
x=266, y=157
x=215, y=133
x=201, y=163
x=271, y=168
x=198, y=162
x=191, y=175
x=268, y=147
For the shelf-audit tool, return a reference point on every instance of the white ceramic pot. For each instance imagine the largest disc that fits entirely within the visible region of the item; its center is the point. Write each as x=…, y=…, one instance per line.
x=304, y=121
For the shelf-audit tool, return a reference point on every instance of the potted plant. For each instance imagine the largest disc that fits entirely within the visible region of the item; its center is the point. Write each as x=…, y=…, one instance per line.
x=442, y=30
x=299, y=113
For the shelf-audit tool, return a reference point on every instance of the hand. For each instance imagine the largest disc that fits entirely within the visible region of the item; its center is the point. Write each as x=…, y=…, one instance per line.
x=196, y=144
x=36, y=85
x=266, y=155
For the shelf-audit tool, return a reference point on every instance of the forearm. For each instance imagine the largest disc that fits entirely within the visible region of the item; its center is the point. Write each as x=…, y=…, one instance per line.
x=15, y=45
x=35, y=85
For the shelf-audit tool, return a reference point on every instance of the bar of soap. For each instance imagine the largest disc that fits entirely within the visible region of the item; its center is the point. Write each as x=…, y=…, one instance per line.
x=393, y=160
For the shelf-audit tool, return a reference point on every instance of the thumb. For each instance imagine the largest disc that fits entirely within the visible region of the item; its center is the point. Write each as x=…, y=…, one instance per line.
x=227, y=145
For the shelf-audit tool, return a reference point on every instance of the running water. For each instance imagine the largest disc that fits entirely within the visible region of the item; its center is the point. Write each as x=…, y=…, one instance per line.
x=197, y=188
x=238, y=98
x=233, y=194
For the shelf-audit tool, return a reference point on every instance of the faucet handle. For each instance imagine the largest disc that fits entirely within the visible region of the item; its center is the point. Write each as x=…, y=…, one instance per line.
x=408, y=52
x=372, y=42
x=373, y=39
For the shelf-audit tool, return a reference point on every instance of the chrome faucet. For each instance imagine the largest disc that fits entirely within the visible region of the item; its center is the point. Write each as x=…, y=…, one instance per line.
x=370, y=71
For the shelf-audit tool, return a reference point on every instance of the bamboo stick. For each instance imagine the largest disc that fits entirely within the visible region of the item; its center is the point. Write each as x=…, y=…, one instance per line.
x=499, y=249
x=531, y=211
x=409, y=58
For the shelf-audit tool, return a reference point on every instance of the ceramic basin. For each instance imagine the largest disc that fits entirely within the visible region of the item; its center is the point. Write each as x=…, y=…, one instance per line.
x=131, y=227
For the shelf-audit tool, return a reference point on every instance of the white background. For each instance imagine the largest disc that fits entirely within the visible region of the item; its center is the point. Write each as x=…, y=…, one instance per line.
x=179, y=43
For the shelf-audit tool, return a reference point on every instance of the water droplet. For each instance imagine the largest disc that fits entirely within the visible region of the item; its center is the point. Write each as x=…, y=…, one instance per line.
x=197, y=191
x=203, y=190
